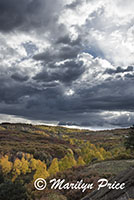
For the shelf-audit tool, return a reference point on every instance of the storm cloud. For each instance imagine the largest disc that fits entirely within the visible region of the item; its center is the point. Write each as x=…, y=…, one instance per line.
x=27, y=14
x=65, y=73
x=119, y=70
x=67, y=62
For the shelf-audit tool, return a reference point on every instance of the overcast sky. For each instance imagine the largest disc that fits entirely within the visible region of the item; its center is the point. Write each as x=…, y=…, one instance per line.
x=67, y=61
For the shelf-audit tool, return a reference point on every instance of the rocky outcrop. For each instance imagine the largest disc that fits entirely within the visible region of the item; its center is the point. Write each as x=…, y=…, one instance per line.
x=126, y=177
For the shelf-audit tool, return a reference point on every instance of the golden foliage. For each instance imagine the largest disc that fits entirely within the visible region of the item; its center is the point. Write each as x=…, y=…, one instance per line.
x=67, y=162
x=17, y=167
x=54, y=167
x=80, y=161
x=33, y=164
x=5, y=164
x=25, y=166
x=41, y=171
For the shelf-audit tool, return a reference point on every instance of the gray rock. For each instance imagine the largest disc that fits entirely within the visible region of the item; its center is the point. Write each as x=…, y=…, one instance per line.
x=126, y=177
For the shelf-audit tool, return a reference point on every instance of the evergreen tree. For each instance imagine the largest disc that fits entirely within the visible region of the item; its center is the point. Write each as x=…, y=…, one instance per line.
x=129, y=143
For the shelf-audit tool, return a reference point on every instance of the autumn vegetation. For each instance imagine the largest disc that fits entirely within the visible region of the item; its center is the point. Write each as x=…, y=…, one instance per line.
x=28, y=152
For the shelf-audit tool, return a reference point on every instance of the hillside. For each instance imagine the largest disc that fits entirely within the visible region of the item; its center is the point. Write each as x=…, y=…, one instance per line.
x=31, y=151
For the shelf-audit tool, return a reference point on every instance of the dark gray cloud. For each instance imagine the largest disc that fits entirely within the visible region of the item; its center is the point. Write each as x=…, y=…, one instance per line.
x=14, y=14
x=67, y=40
x=68, y=52
x=19, y=77
x=26, y=14
x=51, y=103
x=119, y=70
x=65, y=50
x=63, y=53
x=12, y=94
x=65, y=73
x=129, y=76
x=76, y=3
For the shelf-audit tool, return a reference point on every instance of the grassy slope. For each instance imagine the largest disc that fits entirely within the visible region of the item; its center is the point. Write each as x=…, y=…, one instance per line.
x=112, y=167
x=46, y=142
x=29, y=138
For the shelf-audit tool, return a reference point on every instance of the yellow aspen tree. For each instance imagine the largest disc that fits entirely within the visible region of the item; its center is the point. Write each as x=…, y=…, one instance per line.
x=99, y=156
x=103, y=152
x=6, y=165
x=72, y=161
x=67, y=162
x=80, y=161
x=33, y=164
x=87, y=158
x=41, y=171
x=71, y=141
x=28, y=156
x=54, y=167
x=93, y=147
x=63, y=163
x=17, y=168
x=70, y=151
x=89, y=155
x=25, y=166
